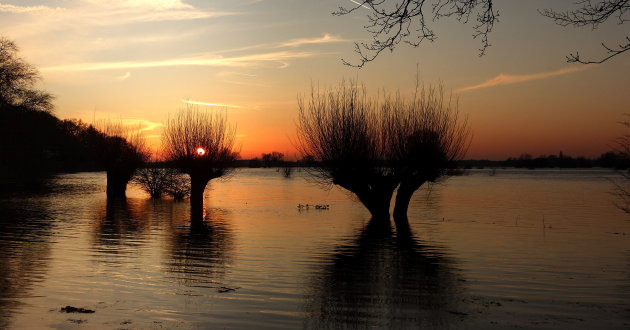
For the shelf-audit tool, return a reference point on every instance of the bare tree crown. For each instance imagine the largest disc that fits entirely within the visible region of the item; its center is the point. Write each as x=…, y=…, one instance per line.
x=191, y=129
x=392, y=136
x=17, y=80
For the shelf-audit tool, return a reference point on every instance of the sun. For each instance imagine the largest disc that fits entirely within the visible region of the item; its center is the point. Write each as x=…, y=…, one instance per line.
x=201, y=151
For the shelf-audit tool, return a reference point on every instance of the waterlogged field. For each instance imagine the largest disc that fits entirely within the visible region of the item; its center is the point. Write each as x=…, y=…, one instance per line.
x=522, y=249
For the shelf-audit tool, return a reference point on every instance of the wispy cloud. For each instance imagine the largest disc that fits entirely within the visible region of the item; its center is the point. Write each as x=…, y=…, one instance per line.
x=506, y=79
x=125, y=76
x=116, y=12
x=212, y=104
x=326, y=38
x=203, y=60
x=141, y=125
x=232, y=73
x=37, y=10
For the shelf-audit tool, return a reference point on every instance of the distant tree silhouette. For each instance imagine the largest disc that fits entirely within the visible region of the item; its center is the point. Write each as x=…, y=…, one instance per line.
x=201, y=145
x=17, y=80
x=272, y=159
x=254, y=163
x=373, y=146
x=408, y=21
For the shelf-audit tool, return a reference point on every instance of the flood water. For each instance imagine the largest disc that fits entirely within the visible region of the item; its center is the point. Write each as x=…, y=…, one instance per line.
x=519, y=249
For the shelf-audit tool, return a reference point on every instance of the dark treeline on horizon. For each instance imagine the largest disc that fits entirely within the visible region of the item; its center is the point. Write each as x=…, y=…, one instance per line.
x=35, y=144
x=611, y=159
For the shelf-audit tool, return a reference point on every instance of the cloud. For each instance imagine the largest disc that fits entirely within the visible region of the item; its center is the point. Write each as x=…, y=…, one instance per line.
x=37, y=10
x=117, y=12
x=232, y=73
x=141, y=125
x=212, y=104
x=326, y=38
x=202, y=60
x=125, y=76
x=505, y=79
x=156, y=4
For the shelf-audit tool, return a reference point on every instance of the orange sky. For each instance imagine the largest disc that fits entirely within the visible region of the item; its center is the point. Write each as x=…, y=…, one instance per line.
x=138, y=60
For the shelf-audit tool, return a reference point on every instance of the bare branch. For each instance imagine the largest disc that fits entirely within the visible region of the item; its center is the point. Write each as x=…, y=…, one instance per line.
x=17, y=80
x=591, y=13
x=407, y=21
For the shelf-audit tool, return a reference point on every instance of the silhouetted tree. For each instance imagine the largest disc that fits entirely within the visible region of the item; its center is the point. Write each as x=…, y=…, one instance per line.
x=408, y=21
x=428, y=138
x=373, y=146
x=272, y=159
x=201, y=145
x=121, y=151
x=153, y=180
x=17, y=80
x=179, y=187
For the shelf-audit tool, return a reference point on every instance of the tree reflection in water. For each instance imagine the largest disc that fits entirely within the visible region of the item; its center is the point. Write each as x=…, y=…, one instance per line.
x=385, y=280
x=197, y=253
x=200, y=252
x=26, y=226
x=120, y=227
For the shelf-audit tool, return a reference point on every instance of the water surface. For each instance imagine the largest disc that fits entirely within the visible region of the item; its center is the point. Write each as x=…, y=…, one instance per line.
x=526, y=249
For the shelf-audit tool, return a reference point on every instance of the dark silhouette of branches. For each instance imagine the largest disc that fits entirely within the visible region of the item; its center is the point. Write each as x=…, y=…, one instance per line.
x=371, y=146
x=341, y=129
x=428, y=139
x=17, y=80
x=159, y=181
x=200, y=144
x=594, y=13
x=408, y=21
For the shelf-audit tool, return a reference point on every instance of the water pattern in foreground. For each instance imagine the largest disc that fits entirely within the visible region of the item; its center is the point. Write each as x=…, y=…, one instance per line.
x=520, y=248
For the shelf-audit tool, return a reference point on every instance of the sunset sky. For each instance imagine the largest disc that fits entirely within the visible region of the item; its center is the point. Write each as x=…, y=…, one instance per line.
x=141, y=60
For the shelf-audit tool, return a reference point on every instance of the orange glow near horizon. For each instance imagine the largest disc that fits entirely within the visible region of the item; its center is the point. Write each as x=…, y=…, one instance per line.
x=201, y=151
x=154, y=56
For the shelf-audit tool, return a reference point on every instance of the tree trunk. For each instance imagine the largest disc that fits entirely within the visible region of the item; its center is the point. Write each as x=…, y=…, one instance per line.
x=197, y=187
x=403, y=196
x=376, y=200
x=116, y=185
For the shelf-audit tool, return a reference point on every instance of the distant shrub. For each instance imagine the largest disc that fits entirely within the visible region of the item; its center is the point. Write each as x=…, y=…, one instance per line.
x=159, y=181
x=179, y=187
